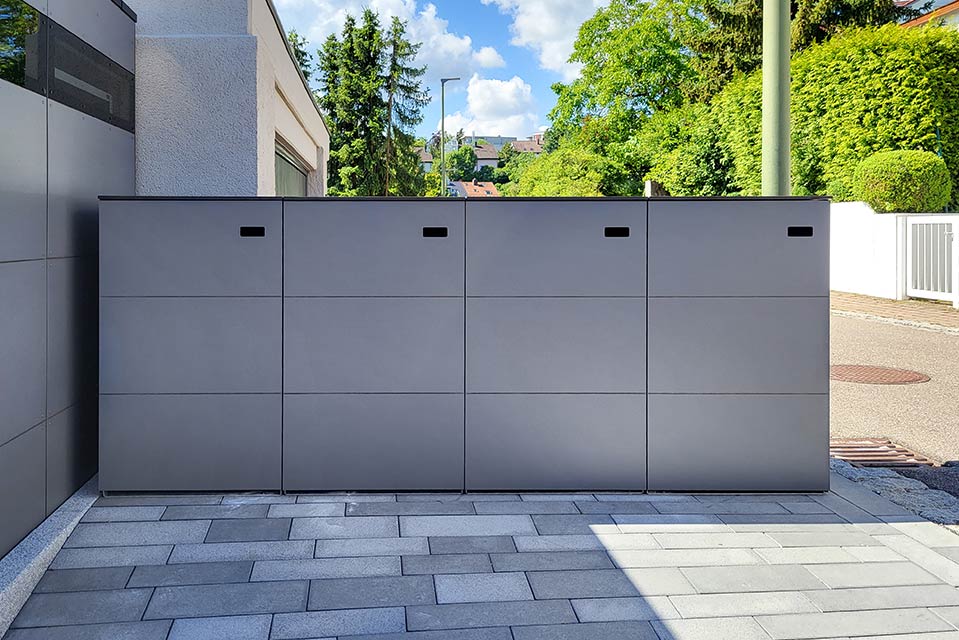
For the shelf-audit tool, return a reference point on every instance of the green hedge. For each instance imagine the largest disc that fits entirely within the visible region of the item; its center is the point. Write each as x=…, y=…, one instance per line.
x=904, y=181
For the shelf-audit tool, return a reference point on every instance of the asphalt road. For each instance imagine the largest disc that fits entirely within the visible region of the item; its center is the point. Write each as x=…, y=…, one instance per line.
x=923, y=417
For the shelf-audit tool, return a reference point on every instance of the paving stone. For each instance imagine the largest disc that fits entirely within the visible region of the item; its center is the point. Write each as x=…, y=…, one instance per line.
x=582, y=524
x=851, y=623
x=117, y=534
x=489, y=633
x=696, y=523
x=216, y=512
x=932, y=561
x=715, y=498
x=415, y=526
x=709, y=629
x=621, y=630
x=487, y=614
x=153, y=630
x=611, y=507
x=665, y=581
x=314, y=510
x=176, y=575
x=238, y=551
x=806, y=522
x=874, y=574
x=550, y=561
x=556, y=497
x=929, y=534
x=949, y=552
x=266, y=498
x=633, y=608
x=101, y=579
x=531, y=507
x=450, y=563
x=122, y=514
x=683, y=557
x=714, y=540
x=941, y=635
x=227, y=600
x=471, y=544
x=598, y=583
x=733, y=508
x=225, y=628
x=806, y=507
x=354, y=593
x=353, y=547
x=722, y=605
x=875, y=529
x=846, y=509
x=752, y=579
x=315, y=568
x=89, y=607
x=874, y=554
x=348, y=622
x=824, y=539
x=949, y=614
x=344, y=498
x=111, y=557
x=864, y=498
x=582, y=542
x=457, y=497
x=808, y=555
x=864, y=599
x=482, y=587
x=642, y=497
x=343, y=527
x=156, y=501
x=409, y=508
x=249, y=530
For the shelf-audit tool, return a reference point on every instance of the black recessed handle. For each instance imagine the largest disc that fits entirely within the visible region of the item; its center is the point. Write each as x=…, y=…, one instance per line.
x=617, y=232
x=799, y=232
x=435, y=232
x=252, y=232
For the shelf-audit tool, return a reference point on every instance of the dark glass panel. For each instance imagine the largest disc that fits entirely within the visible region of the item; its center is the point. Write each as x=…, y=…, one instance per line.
x=22, y=45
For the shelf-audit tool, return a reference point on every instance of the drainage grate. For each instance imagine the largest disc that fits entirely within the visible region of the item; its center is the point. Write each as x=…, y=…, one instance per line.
x=867, y=374
x=875, y=452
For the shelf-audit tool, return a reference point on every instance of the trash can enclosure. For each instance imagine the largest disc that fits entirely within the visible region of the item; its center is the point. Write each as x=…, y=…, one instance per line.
x=451, y=345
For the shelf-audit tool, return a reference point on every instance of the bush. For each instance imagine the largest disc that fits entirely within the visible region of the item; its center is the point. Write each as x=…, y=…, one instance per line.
x=903, y=181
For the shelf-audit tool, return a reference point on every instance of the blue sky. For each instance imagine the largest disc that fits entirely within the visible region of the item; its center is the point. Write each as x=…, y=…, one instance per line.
x=507, y=52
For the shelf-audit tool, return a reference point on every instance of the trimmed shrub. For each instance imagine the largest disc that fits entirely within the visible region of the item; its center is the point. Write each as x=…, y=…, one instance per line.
x=903, y=181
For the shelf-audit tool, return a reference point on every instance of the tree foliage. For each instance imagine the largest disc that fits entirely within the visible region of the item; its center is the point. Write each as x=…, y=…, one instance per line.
x=903, y=181
x=303, y=57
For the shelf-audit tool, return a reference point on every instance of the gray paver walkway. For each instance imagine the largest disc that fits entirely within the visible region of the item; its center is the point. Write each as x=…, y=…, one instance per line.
x=843, y=565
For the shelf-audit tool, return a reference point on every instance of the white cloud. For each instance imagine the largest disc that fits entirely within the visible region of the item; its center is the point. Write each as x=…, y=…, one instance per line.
x=549, y=27
x=489, y=58
x=496, y=108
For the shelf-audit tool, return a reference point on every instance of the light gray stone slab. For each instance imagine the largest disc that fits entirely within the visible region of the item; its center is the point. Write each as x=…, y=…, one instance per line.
x=566, y=525
x=665, y=581
x=489, y=614
x=864, y=599
x=949, y=614
x=449, y=563
x=714, y=540
x=329, y=528
x=808, y=555
x=153, y=630
x=598, y=583
x=224, y=628
x=710, y=629
x=249, y=530
x=634, y=608
x=621, y=630
x=156, y=501
x=683, y=558
x=941, y=635
x=216, y=512
x=227, y=600
x=864, y=498
x=810, y=523
x=265, y=498
x=88, y=607
x=616, y=507
x=424, y=508
x=347, y=622
x=119, y=534
x=823, y=539
x=695, y=523
x=556, y=497
x=851, y=623
x=723, y=605
x=111, y=557
x=176, y=575
x=714, y=498
x=315, y=568
x=530, y=507
x=482, y=587
x=307, y=510
x=874, y=554
x=874, y=574
x=416, y=526
x=643, y=497
x=239, y=551
x=731, y=579
x=551, y=561
x=344, y=498
x=372, y=547
x=806, y=507
x=472, y=544
x=489, y=633
x=844, y=508
x=935, y=563
x=732, y=508
x=100, y=579
x=355, y=593
x=123, y=514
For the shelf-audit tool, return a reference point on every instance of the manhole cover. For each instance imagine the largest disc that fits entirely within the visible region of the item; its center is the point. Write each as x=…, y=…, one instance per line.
x=866, y=374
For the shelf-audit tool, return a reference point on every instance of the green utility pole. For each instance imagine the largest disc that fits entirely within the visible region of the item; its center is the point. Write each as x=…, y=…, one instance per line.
x=443, y=82
x=776, y=50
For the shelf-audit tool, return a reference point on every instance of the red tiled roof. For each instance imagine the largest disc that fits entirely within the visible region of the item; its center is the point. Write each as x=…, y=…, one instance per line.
x=486, y=152
x=528, y=146
x=477, y=189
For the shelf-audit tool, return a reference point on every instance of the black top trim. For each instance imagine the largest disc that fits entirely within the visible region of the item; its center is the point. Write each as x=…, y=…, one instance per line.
x=125, y=8
x=472, y=200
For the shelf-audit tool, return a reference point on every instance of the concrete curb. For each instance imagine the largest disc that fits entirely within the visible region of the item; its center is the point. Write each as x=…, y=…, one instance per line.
x=925, y=326
x=22, y=568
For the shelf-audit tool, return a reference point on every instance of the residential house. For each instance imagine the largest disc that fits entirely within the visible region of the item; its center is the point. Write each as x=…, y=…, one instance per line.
x=474, y=189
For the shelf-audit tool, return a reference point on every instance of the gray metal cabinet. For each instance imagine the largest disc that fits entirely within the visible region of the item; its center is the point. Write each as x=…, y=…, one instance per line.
x=374, y=248
x=738, y=443
x=190, y=442
x=183, y=248
x=335, y=442
x=555, y=442
x=556, y=345
x=556, y=248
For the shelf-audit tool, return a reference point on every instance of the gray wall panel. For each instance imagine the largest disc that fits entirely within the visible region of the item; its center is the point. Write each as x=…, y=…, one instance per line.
x=737, y=248
x=71, y=452
x=101, y=23
x=71, y=331
x=558, y=248
x=364, y=248
x=556, y=345
x=190, y=345
x=739, y=443
x=555, y=442
x=186, y=443
x=370, y=442
x=739, y=345
x=88, y=158
x=22, y=346
x=373, y=345
x=21, y=491
x=23, y=174
x=183, y=248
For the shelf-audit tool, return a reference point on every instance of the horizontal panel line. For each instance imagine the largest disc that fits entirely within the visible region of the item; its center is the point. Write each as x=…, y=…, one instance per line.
x=191, y=393
x=23, y=433
x=306, y=297
x=247, y=297
x=373, y=393
x=555, y=393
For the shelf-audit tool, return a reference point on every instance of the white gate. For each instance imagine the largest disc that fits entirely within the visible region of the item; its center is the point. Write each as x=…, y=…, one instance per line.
x=932, y=257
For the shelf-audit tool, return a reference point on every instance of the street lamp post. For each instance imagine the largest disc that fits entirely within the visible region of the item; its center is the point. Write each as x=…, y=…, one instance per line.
x=443, y=82
x=776, y=143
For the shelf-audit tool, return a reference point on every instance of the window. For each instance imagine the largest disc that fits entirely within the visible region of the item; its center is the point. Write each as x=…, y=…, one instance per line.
x=22, y=45
x=290, y=174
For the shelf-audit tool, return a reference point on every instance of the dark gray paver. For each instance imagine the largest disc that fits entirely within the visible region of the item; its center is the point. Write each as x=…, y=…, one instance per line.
x=354, y=593
x=88, y=607
x=624, y=630
x=608, y=507
x=344, y=527
x=539, y=507
x=264, y=498
x=152, y=630
x=238, y=551
x=323, y=624
x=409, y=508
x=565, y=525
x=227, y=599
x=216, y=512
x=752, y=578
x=456, y=497
x=118, y=534
x=225, y=628
x=600, y=583
x=249, y=530
x=486, y=614
x=307, y=510
x=177, y=575
x=471, y=544
x=491, y=633
x=352, y=547
x=625, y=608
x=732, y=508
x=864, y=599
x=315, y=568
x=550, y=561
x=123, y=514
x=111, y=557
x=345, y=497
x=466, y=563
x=84, y=579
x=156, y=501
x=482, y=587
x=466, y=525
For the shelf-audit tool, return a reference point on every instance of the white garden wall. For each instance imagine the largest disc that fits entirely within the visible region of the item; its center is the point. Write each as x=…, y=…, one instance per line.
x=865, y=251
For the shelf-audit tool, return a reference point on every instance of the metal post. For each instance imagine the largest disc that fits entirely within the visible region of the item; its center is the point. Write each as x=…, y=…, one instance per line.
x=776, y=50
x=443, y=82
